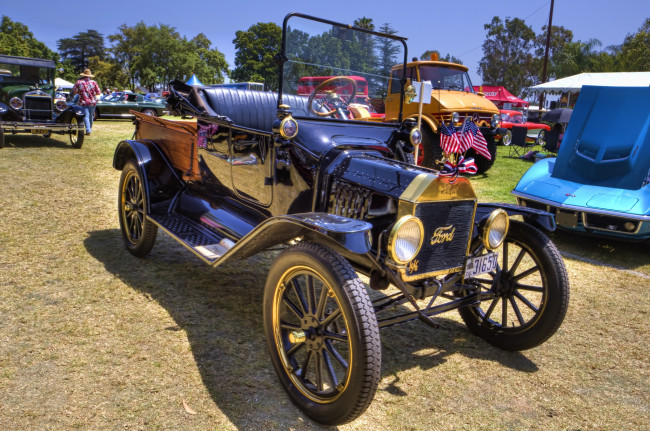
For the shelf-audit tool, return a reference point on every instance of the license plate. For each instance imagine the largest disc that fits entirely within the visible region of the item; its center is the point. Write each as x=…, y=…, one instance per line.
x=39, y=132
x=481, y=264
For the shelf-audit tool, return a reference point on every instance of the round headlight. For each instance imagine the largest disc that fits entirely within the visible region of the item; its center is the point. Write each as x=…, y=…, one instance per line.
x=288, y=128
x=61, y=105
x=496, y=121
x=495, y=229
x=416, y=136
x=455, y=118
x=16, y=103
x=405, y=239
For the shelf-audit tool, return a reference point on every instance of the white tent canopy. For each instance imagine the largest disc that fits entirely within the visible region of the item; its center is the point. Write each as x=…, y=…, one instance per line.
x=573, y=84
x=62, y=83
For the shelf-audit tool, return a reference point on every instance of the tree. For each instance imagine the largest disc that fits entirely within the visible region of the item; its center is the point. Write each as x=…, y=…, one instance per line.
x=508, y=58
x=82, y=46
x=577, y=57
x=634, y=54
x=254, y=58
x=16, y=39
x=426, y=55
x=560, y=36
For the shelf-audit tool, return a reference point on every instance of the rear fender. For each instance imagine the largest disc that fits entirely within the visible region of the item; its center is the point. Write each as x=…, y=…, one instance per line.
x=538, y=218
x=346, y=236
x=159, y=179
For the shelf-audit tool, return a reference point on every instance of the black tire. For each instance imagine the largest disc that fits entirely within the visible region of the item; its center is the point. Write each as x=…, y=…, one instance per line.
x=431, y=150
x=76, y=134
x=483, y=164
x=531, y=291
x=507, y=138
x=322, y=333
x=150, y=111
x=541, y=138
x=138, y=232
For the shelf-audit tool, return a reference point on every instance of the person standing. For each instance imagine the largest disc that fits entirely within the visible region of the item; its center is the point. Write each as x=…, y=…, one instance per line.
x=88, y=90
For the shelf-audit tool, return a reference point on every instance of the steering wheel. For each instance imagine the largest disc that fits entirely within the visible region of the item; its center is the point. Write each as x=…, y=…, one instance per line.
x=331, y=99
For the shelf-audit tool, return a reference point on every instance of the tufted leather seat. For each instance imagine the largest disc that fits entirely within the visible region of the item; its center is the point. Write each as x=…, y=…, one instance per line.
x=247, y=108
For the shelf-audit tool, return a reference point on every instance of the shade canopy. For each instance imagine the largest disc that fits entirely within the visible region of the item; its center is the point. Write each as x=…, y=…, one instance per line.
x=194, y=81
x=62, y=83
x=500, y=97
x=574, y=83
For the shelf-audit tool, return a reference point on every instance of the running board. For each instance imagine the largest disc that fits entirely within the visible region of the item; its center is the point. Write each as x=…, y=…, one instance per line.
x=207, y=245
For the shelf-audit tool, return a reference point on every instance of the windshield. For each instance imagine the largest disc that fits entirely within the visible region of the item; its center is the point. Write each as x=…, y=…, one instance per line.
x=514, y=118
x=446, y=78
x=344, y=70
x=25, y=74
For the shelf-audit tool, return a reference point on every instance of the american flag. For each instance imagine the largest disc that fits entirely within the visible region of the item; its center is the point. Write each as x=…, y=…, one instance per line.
x=472, y=137
x=449, y=139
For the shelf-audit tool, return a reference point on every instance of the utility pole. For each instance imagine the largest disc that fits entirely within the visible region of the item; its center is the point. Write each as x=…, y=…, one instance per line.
x=548, y=44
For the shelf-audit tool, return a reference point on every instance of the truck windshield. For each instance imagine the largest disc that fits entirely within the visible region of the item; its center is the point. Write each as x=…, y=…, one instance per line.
x=331, y=61
x=446, y=78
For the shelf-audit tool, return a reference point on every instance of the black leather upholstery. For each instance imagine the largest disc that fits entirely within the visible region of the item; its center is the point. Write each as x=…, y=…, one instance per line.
x=247, y=108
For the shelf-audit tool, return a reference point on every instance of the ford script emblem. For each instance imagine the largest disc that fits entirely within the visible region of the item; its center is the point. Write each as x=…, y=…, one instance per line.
x=443, y=234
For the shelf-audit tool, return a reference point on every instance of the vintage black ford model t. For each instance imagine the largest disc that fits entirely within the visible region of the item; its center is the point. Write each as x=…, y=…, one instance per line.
x=320, y=177
x=27, y=102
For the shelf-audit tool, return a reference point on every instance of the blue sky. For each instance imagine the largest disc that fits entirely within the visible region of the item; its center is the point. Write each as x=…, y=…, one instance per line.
x=449, y=27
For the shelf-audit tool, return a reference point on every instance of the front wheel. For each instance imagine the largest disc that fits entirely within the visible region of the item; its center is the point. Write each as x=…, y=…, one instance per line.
x=507, y=138
x=138, y=232
x=322, y=333
x=541, y=138
x=530, y=288
x=430, y=154
x=76, y=134
x=482, y=163
x=150, y=111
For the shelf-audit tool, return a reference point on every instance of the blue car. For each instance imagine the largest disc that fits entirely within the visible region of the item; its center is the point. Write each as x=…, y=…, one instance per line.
x=600, y=181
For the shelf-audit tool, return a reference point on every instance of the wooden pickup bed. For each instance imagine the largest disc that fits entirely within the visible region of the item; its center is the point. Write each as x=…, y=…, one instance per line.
x=177, y=139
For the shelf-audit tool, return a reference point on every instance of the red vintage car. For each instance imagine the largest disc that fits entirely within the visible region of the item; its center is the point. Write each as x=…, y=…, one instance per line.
x=511, y=118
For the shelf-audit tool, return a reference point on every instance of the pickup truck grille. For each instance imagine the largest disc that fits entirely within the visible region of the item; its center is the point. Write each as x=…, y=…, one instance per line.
x=447, y=230
x=37, y=108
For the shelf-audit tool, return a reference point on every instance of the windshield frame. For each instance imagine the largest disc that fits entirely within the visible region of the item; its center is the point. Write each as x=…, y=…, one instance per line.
x=284, y=58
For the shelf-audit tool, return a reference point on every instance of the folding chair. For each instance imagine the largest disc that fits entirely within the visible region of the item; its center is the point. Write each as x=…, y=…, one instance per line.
x=550, y=141
x=518, y=146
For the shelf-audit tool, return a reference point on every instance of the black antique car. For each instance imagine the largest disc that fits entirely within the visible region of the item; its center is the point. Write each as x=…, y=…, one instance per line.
x=27, y=101
x=369, y=239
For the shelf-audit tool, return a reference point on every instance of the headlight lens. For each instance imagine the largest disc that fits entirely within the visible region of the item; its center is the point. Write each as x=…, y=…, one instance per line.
x=455, y=118
x=16, y=103
x=495, y=229
x=61, y=105
x=405, y=239
x=288, y=128
x=416, y=136
x=496, y=121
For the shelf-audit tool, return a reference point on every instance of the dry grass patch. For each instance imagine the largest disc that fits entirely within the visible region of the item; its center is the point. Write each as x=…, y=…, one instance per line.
x=94, y=338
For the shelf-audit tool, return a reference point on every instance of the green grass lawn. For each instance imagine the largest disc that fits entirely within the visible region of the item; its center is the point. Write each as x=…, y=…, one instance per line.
x=95, y=338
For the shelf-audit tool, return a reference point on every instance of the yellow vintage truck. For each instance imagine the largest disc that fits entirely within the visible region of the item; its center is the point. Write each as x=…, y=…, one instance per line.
x=452, y=101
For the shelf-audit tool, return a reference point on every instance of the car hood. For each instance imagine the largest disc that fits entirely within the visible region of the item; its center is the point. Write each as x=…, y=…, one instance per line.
x=538, y=183
x=462, y=101
x=607, y=141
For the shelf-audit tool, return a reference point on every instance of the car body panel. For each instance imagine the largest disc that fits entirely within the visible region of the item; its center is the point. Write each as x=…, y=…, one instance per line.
x=603, y=167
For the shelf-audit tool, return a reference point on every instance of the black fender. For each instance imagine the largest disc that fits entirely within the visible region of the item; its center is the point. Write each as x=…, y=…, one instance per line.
x=69, y=112
x=538, y=218
x=348, y=237
x=158, y=177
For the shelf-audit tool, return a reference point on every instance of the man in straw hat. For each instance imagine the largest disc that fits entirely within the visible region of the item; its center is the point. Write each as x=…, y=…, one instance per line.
x=87, y=89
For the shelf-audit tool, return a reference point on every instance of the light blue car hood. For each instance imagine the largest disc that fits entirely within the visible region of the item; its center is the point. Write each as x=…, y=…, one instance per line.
x=604, y=158
x=607, y=142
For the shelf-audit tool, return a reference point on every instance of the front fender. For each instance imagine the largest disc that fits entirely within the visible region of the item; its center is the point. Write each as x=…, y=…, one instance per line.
x=345, y=236
x=69, y=112
x=536, y=217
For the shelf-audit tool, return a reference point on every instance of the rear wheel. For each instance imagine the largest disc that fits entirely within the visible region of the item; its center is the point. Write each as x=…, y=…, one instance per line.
x=76, y=134
x=430, y=154
x=322, y=333
x=541, y=138
x=531, y=292
x=138, y=232
x=482, y=163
